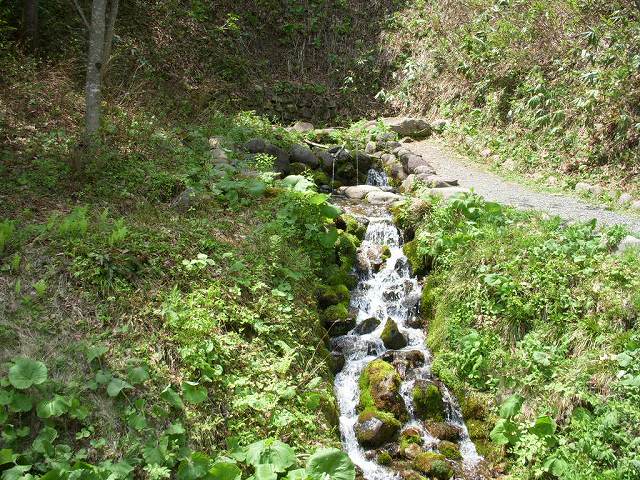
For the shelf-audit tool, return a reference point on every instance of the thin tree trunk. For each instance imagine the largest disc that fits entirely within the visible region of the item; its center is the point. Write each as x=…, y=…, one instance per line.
x=108, y=39
x=94, y=68
x=30, y=13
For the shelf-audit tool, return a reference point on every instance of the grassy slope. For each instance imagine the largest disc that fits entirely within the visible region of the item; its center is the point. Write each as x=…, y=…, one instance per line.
x=520, y=305
x=100, y=261
x=547, y=88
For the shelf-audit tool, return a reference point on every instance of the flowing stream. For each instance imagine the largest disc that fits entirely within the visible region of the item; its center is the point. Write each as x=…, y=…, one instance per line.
x=387, y=290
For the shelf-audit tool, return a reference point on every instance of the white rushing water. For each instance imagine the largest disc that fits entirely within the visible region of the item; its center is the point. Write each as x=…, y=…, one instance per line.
x=385, y=291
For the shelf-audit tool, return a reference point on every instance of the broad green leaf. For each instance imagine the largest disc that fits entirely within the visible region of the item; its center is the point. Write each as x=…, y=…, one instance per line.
x=225, y=471
x=318, y=198
x=332, y=462
x=116, y=385
x=52, y=408
x=194, y=392
x=7, y=456
x=175, y=429
x=103, y=377
x=170, y=396
x=256, y=187
x=194, y=467
x=541, y=358
x=26, y=372
x=5, y=397
x=511, y=406
x=505, y=432
x=16, y=472
x=265, y=472
x=624, y=359
x=137, y=375
x=556, y=466
x=271, y=451
x=96, y=351
x=328, y=239
x=297, y=474
x=44, y=441
x=21, y=402
x=631, y=381
x=330, y=211
x=544, y=426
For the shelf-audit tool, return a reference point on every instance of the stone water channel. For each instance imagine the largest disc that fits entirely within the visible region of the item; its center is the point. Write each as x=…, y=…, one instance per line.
x=386, y=301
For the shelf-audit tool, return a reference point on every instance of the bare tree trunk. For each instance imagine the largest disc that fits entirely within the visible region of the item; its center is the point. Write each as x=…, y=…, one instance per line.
x=94, y=68
x=108, y=39
x=30, y=14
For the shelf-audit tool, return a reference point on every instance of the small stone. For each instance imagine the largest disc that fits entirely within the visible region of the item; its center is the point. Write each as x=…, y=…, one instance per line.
x=424, y=169
x=509, y=164
x=302, y=127
x=370, y=147
x=625, y=199
x=256, y=145
x=552, y=181
x=215, y=142
x=367, y=326
x=382, y=198
x=447, y=192
x=627, y=243
x=582, y=187
x=596, y=190
x=218, y=156
x=302, y=154
x=635, y=205
x=440, y=125
x=486, y=153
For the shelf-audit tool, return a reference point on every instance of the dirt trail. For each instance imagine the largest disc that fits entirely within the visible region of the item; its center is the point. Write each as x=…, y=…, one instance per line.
x=496, y=189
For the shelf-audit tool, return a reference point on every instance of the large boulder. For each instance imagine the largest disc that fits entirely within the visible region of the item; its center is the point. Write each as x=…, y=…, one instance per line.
x=329, y=295
x=434, y=465
x=302, y=154
x=380, y=390
x=427, y=400
x=358, y=192
x=444, y=431
x=405, y=126
x=436, y=181
x=382, y=198
x=281, y=163
x=404, y=361
x=412, y=161
x=256, y=145
x=326, y=160
x=302, y=127
x=337, y=320
x=367, y=325
x=374, y=429
x=393, y=338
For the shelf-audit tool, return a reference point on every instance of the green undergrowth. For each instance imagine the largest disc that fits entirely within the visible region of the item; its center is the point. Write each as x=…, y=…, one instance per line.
x=537, y=322
x=541, y=89
x=164, y=328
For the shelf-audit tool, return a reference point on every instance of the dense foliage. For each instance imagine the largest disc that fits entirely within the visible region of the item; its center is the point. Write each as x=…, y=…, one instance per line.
x=540, y=320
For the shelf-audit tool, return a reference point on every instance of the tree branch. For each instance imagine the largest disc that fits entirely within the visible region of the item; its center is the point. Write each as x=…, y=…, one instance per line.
x=81, y=13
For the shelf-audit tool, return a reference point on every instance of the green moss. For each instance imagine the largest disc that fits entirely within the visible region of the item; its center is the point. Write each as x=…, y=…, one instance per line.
x=336, y=275
x=478, y=429
x=492, y=452
x=449, y=450
x=335, y=313
x=433, y=464
x=384, y=458
x=473, y=406
x=428, y=401
x=347, y=245
x=321, y=178
x=386, y=253
x=387, y=432
x=297, y=168
x=354, y=227
x=376, y=374
x=418, y=262
x=443, y=431
x=392, y=337
x=329, y=295
x=409, y=437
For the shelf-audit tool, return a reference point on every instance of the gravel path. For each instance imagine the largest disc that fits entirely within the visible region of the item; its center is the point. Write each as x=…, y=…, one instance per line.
x=496, y=189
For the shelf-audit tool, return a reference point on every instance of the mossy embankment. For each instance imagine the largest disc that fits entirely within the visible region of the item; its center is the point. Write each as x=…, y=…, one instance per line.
x=533, y=325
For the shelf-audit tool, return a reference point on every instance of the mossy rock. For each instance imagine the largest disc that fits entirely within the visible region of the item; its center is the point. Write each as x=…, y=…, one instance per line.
x=380, y=390
x=428, y=302
x=433, y=465
x=297, y=168
x=375, y=428
x=420, y=264
x=347, y=245
x=473, y=406
x=428, y=401
x=384, y=458
x=321, y=178
x=336, y=275
x=492, y=452
x=353, y=226
x=392, y=338
x=386, y=253
x=449, y=450
x=443, y=431
x=329, y=295
x=478, y=429
x=337, y=320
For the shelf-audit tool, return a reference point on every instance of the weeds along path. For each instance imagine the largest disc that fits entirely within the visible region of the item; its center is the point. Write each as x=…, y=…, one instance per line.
x=497, y=189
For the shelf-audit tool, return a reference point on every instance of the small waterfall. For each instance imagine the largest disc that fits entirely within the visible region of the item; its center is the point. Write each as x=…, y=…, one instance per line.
x=387, y=292
x=377, y=178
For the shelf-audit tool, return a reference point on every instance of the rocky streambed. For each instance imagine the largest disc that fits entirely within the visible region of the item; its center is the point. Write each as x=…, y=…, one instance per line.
x=397, y=420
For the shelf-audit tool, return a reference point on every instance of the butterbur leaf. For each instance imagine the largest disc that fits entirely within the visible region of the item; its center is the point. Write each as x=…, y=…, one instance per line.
x=43, y=442
x=7, y=456
x=265, y=472
x=26, y=372
x=194, y=392
x=505, y=432
x=16, y=472
x=225, y=471
x=332, y=462
x=175, y=429
x=544, y=426
x=318, y=198
x=21, y=402
x=511, y=406
x=137, y=375
x=541, y=358
x=170, y=396
x=273, y=452
x=52, y=408
x=194, y=467
x=328, y=239
x=116, y=385
x=555, y=466
x=631, y=381
x=624, y=359
x=297, y=474
x=330, y=211
x=96, y=351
